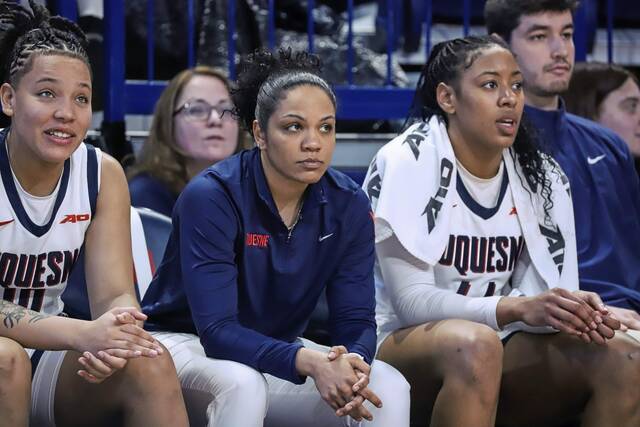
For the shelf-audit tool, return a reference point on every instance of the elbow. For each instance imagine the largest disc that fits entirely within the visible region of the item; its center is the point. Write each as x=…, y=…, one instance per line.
x=404, y=311
x=211, y=350
x=212, y=339
x=406, y=319
x=410, y=313
x=208, y=342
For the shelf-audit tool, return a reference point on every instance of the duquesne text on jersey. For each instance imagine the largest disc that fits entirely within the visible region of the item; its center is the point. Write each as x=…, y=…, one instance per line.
x=36, y=271
x=482, y=254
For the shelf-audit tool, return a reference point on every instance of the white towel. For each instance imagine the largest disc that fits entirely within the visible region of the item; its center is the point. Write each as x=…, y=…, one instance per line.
x=411, y=183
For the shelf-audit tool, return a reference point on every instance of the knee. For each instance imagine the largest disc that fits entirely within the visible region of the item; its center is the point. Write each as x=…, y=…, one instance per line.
x=245, y=381
x=157, y=373
x=14, y=362
x=388, y=381
x=394, y=391
x=470, y=350
x=621, y=366
x=239, y=393
x=390, y=386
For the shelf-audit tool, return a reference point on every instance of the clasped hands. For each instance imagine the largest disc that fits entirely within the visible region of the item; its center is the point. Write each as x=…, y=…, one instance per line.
x=578, y=313
x=108, y=342
x=342, y=379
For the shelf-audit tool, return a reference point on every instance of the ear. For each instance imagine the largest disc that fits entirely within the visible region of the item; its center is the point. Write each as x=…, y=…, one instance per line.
x=7, y=97
x=446, y=97
x=499, y=37
x=259, y=136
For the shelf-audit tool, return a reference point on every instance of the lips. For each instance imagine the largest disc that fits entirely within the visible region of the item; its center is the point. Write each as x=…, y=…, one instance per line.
x=60, y=136
x=311, y=164
x=561, y=68
x=507, y=125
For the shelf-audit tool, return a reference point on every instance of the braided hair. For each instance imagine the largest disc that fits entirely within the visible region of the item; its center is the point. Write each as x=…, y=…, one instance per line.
x=24, y=33
x=264, y=78
x=446, y=63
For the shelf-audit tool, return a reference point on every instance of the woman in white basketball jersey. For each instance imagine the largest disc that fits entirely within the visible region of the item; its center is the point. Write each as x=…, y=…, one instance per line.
x=58, y=195
x=475, y=242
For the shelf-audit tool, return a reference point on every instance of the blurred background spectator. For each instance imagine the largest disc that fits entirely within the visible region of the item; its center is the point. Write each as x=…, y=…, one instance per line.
x=190, y=32
x=609, y=95
x=192, y=128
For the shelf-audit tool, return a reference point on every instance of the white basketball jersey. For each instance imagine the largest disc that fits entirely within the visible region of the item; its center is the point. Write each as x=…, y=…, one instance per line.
x=484, y=246
x=36, y=260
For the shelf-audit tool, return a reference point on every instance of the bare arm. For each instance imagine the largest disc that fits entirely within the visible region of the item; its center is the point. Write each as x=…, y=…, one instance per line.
x=109, y=269
x=36, y=330
x=108, y=261
x=19, y=324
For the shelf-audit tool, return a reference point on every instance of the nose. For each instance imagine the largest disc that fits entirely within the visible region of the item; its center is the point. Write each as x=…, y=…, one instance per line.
x=508, y=98
x=215, y=118
x=558, y=47
x=312, y=141
x=64, y=111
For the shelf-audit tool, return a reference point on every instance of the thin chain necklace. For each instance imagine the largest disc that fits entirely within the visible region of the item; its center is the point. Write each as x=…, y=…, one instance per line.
x=298, y=215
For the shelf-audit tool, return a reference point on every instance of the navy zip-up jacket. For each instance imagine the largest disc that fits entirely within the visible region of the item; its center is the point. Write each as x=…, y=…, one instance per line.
x=606, y=202
x=233, y=274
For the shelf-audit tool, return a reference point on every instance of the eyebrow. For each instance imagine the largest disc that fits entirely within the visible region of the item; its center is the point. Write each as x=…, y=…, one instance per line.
x=222, y=101
x=542, y=27
x=52, y=80
x=495, y=73
x=297, y=116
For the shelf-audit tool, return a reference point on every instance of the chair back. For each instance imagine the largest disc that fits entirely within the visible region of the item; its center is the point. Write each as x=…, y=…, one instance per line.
x=149, y=235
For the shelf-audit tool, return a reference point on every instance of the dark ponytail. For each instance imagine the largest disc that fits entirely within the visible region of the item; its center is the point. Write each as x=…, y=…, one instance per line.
x=26, y=32
x=264, y=78
x=446, y=63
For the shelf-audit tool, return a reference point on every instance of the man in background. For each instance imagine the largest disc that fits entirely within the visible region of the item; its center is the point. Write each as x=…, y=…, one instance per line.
x=604, y=184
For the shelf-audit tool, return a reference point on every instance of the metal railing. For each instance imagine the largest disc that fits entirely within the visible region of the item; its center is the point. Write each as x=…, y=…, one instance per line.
x=355, y=102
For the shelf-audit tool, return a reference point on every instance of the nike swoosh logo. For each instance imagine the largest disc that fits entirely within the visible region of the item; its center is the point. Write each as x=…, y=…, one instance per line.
x=5, y=222
x=594, y=160
x=321, y=238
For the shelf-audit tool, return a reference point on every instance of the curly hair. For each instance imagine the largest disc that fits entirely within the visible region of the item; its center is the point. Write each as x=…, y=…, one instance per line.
x=160, y=156
x=446, y=63
x=264, y=78
x=26, y=33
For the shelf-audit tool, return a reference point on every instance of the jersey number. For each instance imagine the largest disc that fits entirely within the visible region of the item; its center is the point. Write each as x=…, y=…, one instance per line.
x=465, y=286
x=27, y=298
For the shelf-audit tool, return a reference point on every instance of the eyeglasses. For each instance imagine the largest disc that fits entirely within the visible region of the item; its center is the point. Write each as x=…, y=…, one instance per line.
x=199, y=110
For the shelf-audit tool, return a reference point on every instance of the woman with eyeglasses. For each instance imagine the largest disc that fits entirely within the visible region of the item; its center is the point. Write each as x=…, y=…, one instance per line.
x=192, y=128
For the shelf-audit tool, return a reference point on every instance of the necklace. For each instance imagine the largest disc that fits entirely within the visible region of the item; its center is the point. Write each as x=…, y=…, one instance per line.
x=298, y=216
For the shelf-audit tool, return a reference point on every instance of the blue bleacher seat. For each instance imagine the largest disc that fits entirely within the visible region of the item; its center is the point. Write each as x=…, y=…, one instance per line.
x=149, y=235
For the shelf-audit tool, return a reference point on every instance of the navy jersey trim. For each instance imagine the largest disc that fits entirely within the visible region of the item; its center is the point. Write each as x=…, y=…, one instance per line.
x=14, y=198
x=477, y=208
x=92, y=177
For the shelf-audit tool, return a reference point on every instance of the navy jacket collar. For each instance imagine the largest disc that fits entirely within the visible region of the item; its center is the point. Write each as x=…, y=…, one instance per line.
x=314, y=195
x=547, y=119
x=549, y=124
